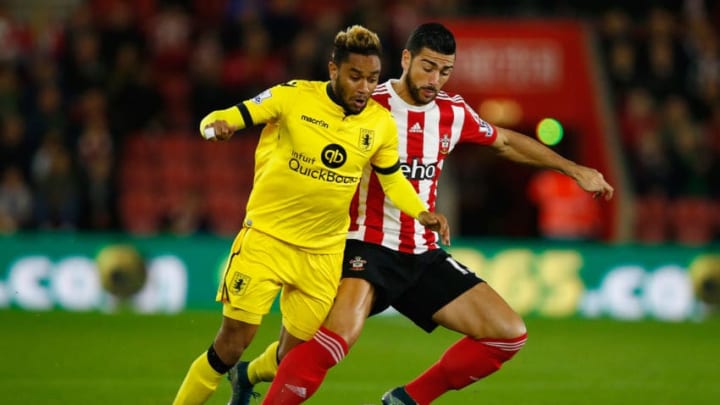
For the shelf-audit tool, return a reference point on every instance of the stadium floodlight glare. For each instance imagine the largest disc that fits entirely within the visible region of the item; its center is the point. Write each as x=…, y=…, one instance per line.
x=549, y=131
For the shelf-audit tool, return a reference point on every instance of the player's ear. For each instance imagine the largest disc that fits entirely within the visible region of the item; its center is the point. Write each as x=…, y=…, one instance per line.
x=332, y=70
x=405, y=59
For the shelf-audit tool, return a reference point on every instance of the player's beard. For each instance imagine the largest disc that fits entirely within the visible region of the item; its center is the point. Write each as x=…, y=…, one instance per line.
x=342, y=98
x=415, y=92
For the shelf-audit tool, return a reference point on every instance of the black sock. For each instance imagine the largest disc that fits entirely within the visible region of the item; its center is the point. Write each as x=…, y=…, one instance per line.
x=216, y=362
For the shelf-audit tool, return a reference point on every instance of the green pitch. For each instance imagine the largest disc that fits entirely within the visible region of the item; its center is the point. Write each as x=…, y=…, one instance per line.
x=64, y=358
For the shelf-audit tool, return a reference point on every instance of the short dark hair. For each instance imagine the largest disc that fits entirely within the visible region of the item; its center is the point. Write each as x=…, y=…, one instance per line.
x=355, y=39
x=433, y=36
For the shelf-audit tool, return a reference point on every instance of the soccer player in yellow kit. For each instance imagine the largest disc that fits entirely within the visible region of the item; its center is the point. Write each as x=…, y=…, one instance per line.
x=317, y=139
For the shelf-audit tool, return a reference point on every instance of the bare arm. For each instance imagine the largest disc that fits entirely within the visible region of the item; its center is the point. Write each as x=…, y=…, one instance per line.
x=526, y=150
x=403, y=195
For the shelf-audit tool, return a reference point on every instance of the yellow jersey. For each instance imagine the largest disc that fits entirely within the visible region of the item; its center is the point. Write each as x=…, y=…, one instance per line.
x=309, y=160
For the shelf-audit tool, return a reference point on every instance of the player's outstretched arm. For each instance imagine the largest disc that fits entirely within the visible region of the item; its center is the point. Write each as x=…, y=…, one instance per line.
x=524, y=149
x=220, y=125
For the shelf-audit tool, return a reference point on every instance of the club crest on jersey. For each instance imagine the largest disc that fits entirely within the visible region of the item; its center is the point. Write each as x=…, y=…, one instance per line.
x=367, y=137
x=357, y=263
x=445, y=144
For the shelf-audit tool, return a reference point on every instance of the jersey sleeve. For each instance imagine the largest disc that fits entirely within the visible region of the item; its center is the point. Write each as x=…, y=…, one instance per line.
x=475, y=129
x=267, y=106
x=261, y=109
x=387, y=156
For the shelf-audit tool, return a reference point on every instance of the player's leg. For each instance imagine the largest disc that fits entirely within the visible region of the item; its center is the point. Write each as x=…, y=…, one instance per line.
x=305, y=304
x=307, y=364
x=207, y=370
x=345, y=319
x=493, y=331
x=243, y=308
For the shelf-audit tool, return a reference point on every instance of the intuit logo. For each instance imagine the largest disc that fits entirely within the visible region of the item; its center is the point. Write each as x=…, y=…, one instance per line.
x=314, y=121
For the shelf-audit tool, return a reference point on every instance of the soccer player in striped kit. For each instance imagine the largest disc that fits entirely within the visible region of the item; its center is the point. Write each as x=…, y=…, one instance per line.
x=391, y=260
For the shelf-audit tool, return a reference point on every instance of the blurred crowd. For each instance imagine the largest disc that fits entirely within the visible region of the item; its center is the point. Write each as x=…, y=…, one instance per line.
x=100, y=98
x=664, y=77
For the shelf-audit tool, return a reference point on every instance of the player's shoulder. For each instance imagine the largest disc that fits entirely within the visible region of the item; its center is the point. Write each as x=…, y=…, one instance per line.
x=382, y=89
x=291, y=91
x=377, y=110
x=450, y=98
x=299, y=85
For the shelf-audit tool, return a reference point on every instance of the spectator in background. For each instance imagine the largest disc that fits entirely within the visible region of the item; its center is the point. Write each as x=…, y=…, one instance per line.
x=48, y=114
x=169, y=38
x=130, y=90
x=83, y=66
x=16, y=201
x=565, y=211
x=98, y=197
x=95, y=153
x=187, y=217
x=711, y=131
x=118, y=29
x=622, y=67
x=651, y=168
x=56, y=185
x=15, y=148
x=637, y=114
x=208, y=92
x=9, y=89
x=254, y=66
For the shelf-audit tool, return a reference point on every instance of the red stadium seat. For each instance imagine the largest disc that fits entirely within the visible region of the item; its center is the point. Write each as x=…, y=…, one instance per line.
x=651, y=219
x=140, y=212
x=693, y=220
x=226, y=211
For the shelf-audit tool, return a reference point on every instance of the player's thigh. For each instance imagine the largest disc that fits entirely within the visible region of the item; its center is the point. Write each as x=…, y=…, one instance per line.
x=481, y=312
x=250, y=283
x=308, y=295
x=352, y=306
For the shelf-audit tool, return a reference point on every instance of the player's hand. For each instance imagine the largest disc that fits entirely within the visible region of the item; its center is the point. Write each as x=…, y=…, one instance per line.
x=438, y=223
x=219, y=131
x=593, y=182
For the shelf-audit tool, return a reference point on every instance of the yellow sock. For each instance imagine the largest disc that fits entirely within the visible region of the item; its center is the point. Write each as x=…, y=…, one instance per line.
x=199, y=384
x=265, y=366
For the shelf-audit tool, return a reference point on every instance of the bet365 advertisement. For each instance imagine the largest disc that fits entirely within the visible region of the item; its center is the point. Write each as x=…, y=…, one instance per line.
x=78, y=273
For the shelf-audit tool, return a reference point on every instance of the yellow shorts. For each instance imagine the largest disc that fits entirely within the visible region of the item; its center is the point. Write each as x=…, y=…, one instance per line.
x=260, y=266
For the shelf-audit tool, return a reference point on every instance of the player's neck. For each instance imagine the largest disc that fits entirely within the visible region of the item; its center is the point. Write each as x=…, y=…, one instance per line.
x=401, y=89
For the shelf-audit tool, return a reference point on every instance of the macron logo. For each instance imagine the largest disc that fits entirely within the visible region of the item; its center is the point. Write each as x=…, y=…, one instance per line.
x=299, y=391
x=314, y=121
x=416, y=128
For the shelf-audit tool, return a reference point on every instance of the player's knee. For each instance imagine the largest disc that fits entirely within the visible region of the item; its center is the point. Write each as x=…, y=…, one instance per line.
x=233, y=338
x=514, y=327
x=509, y=327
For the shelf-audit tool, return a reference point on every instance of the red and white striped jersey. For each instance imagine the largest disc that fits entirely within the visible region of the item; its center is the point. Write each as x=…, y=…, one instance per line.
x=427, y=134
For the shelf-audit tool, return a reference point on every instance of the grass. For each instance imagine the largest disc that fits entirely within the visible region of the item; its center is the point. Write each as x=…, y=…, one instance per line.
x=70, y=358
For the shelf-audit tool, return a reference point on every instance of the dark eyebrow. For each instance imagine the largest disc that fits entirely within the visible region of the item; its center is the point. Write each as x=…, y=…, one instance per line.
x=358, y=71
x=435, y=64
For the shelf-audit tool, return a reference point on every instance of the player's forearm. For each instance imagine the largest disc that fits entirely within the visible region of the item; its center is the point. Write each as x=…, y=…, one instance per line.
x=230, y=115
x=402, y=194
x=525, y=150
